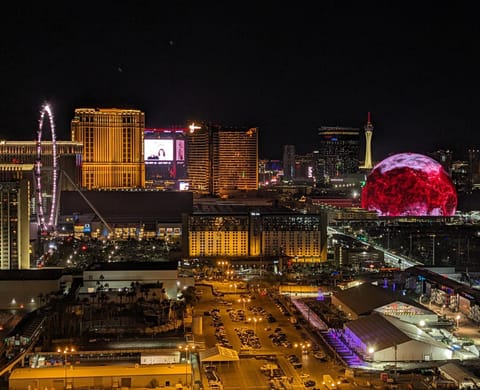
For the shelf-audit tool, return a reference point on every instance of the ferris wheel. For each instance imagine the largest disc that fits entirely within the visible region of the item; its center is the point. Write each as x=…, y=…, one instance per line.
x=46, y=198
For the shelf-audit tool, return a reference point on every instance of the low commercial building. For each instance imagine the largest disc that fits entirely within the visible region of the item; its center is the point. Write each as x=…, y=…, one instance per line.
x=171, y=376
x=125, y=214
x=364, y=299
x=30, y=289
x=160, y=275
x=459, y=376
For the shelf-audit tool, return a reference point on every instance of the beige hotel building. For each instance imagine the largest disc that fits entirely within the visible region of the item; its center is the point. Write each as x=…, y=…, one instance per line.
x=113, y=142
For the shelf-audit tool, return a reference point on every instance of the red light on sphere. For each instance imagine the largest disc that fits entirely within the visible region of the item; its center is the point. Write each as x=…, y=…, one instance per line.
x=84, y=247
x=409, y=184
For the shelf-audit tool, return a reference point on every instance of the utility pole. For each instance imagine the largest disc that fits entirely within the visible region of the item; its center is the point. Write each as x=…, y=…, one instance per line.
x=433, y=249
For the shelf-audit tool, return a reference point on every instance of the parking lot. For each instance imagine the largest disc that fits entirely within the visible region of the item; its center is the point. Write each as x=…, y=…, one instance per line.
x=299, y=359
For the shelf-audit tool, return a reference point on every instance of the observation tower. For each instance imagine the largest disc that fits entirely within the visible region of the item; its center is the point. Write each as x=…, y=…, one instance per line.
x=368, y=143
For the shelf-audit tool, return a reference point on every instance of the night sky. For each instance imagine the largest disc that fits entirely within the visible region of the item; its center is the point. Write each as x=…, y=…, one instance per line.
x=287, y=69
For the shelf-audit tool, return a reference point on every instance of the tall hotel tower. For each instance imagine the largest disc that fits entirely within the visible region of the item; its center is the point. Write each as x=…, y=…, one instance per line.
x=15, y=216
x=368, y=143
x=289, y=162
x=222, y=160
x=339, y=147
x=112, y=147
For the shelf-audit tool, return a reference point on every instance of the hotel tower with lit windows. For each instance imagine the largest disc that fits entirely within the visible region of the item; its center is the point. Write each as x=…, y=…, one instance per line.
x=15, y=216
x=222, y=160
x=113, y=142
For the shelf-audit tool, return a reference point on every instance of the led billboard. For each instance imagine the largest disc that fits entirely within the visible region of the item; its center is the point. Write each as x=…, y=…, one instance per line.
x=180, y=150
x=158, y=150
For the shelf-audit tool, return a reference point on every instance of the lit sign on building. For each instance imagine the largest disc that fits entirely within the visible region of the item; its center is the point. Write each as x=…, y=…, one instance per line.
x=180, y=150
x=183, y=186
x=159, y=150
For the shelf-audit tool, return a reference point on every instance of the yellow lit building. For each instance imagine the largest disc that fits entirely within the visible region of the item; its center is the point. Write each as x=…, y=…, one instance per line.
x=240, y=232
x=167, y=376
x=222, y=160
x=69, y=159
x=235, y=161
x=113, y=147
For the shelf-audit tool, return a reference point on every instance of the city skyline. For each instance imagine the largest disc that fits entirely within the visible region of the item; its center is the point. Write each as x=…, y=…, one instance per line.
x=286, y=71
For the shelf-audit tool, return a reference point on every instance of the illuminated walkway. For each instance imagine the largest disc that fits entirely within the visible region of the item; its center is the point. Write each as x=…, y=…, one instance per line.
x=349, y=357
x=309, y=315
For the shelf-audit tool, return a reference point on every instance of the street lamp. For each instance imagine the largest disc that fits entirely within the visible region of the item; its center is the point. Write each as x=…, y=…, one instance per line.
x=234, y=285
x=458, y=319
x=188, y=359
x=371, y=352
x=65, y=352
x=243, y=300
x=254, y=320
x=303, y=346
x=222, y=264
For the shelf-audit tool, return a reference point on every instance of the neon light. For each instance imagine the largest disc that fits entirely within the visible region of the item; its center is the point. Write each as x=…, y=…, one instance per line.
x=50, y=225
x=193, y=127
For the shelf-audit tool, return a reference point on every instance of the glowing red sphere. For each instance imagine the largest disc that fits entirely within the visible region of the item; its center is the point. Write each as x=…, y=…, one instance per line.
x=409, y=184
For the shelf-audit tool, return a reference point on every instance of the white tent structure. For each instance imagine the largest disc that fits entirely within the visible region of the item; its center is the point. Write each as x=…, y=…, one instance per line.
x=219, y=354
x=384, y=338
x=408, y=313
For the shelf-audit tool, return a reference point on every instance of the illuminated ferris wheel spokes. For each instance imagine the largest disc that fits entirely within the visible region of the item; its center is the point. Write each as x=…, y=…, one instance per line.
x=42, y=221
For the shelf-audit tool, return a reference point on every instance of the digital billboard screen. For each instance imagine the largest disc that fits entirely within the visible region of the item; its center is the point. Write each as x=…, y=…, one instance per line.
x=180, y=150
x=158, y=150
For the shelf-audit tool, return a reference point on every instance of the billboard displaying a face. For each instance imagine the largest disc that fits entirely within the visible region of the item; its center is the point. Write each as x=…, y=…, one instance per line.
x=158, y=150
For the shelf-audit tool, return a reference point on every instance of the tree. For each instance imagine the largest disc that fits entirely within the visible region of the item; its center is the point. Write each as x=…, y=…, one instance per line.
x=189, y=296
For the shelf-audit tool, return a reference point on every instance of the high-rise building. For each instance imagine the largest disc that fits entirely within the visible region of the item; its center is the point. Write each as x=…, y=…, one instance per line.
x=289, y=162
x=222, y=160
x=69, y=159
x=113, y=142
x=318, y=169
x=474, y=168
x=445, y=158
x=367, y=164
x=15, y=216
x=460, y=176
x=199, y=159
x=339, y=147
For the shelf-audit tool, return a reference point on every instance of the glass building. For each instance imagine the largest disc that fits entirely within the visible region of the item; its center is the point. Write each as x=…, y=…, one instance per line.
x=339, y=147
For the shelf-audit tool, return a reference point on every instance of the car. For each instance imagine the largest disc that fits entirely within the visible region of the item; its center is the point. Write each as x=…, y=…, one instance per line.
x=320, y=355
x=309, y=383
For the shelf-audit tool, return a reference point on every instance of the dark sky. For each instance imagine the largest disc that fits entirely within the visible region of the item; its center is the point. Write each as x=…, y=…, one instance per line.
x=287, y=69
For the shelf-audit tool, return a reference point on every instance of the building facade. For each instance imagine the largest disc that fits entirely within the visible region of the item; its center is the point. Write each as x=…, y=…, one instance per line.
x=235, y=160
x=113, y=147
x=289, y=162
x=474, y=171
x=69, y=159
x=241, y=232
x=165, y=159
x=222, y=160
x=15, y=216
x=339, y=147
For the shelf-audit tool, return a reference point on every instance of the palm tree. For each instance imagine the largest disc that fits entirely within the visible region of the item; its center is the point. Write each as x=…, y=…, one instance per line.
x=188, y=296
